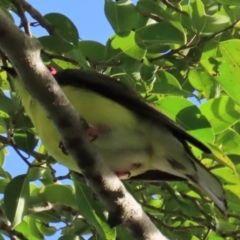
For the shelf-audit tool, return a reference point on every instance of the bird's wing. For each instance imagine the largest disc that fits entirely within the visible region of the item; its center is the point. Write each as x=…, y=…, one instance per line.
x=122, y=94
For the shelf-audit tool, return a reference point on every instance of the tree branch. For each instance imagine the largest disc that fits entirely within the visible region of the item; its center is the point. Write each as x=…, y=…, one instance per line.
x=35, y=14
x=41, y=85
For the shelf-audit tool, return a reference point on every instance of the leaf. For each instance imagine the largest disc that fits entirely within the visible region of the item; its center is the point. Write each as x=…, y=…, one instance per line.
x=229, y=141
x=2, y=156
x=7, y=105
x=207, y=24
x=127, y=45
x=153, y=7
x=220, y=156
x=229, y=2
x=25, y=140
x=229, y=70
x=167, y=84
x=64, y=26
x=92, y=210
x=187, y=115
x=27, y=231
x=92, y=50
x=16, y=199
x=70, y=237
x=155, y=41
x=121, y=15
x=58, y=193
x=76, y=54
x=49, y=43
x=221, y=113
x=203, y=82
x=3, y=183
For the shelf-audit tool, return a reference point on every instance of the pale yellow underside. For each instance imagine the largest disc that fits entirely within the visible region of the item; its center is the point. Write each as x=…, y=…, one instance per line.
x=130, y=140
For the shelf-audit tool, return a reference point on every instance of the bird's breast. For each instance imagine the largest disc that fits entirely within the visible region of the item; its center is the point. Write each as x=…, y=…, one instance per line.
x=124, y=140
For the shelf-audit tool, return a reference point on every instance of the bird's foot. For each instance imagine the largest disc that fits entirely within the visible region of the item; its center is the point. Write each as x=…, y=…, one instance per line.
x=123, y=175
x=93, y=132
x=127, y=174
x=63, y=148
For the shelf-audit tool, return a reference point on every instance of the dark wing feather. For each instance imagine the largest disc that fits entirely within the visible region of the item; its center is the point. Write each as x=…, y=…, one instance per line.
x=122, y=94
x=155, y=176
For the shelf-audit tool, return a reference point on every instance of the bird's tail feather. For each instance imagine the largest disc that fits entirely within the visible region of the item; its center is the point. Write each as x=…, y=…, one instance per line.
x=207, y=182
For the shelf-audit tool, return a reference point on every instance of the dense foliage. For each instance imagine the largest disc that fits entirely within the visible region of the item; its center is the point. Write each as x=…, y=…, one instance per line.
x=183, y=56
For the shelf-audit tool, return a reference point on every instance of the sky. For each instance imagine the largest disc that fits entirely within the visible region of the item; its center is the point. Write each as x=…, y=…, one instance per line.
x=89, y=18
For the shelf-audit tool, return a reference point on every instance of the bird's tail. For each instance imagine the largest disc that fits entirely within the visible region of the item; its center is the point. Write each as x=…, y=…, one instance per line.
x=207, y=182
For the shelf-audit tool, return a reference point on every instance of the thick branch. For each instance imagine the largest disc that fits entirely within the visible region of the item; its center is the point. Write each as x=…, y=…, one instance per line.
x=24, y=54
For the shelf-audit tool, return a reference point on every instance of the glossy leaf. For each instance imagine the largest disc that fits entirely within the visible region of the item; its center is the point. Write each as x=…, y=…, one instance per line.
x=204, y=83
x=127, y=45
x=221, y=113
x=64, y=26
x=7, y=105
x=94, y=51
x=229, y=141
x=121, y=15
x=155, y=41
x=229, y=68
x=187, y=115
x=49, y=43
x=207, y=24
x=55, y=193
x=167, y=84
x=16, y=199
x=25, y=140
x=92, y=210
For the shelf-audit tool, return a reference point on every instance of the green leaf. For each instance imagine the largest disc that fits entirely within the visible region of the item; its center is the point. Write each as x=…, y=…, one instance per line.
x=229, y=2
x=25, y=140
x=7, y=105
x=46, y=230
x=27, y=231
x=220, y=156
x=64, y=26
x=229, y=68
x=221, y=113
x=3, y=183
x=92, y=210
x=49, y=43
x=2, y=156
x=207, y=24
x=58, y=193
x=70, y=237
x=159, y=37
x=121, y=15
x=235, y=158
x=148, y=72
x=203, y=82
x=127, y=45
x=94, y=51
x=229, y=141
x=167, y=84
x=187, y=115
x=16, y=199
x=147, y=7
x=76, y=54
x=36, y=172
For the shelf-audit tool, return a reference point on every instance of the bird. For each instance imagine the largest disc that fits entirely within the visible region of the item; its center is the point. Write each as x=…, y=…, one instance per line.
x=136, y=140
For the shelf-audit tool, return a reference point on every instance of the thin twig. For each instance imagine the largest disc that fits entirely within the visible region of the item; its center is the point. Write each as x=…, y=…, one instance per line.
x=38, y=156
x=35, y=14
x=24, y=21
x=60, y=57
x=167, y=3
x=189, y=46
